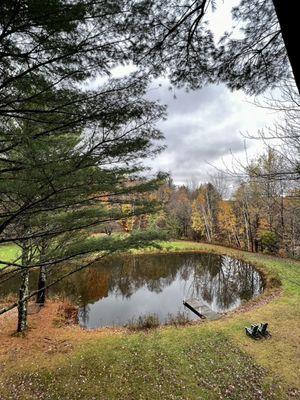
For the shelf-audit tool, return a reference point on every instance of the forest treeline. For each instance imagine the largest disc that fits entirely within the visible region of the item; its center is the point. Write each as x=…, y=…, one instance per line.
x=262, y=212
x=254, y=205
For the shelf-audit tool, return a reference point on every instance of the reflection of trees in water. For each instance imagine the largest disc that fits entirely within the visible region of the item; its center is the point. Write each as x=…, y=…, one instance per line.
x=219, y=281
x=83, y=314
x=221, y=284
x=153, y=272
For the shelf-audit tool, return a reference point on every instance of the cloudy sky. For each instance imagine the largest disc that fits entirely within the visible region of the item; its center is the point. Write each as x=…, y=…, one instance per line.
x=207, y=127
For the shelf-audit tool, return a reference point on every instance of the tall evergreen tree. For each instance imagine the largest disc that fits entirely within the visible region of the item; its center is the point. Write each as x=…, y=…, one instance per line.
x=65, y=181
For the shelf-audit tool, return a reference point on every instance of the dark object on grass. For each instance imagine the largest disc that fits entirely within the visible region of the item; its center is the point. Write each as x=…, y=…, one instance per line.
x=258, y=331
x=253, y=331
x=262, y=330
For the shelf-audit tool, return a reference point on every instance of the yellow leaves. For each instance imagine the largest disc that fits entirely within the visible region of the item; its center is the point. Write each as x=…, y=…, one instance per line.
x=197, y=218
x=226, y=218
x=227, y=221
x=127, y=224
x=263, y=224
x=200, y=201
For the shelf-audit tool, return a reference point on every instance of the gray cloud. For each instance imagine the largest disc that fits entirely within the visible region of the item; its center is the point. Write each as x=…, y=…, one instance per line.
x=202, y=127
x=184, y=102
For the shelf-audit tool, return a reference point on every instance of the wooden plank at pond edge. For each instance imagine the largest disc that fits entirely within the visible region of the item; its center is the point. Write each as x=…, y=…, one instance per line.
x=200, y=309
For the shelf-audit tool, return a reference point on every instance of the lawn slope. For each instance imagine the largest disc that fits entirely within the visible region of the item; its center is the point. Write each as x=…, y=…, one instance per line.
x=8, y=253
x=212, y=360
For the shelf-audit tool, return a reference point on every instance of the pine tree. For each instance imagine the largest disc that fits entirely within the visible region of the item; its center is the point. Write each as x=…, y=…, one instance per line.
x=64, y=183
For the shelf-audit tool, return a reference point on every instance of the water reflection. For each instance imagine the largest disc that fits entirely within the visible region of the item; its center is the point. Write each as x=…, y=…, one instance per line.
x=122, y=288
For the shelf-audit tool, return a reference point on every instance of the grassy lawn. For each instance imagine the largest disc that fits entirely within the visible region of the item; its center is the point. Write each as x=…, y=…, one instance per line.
x=8, y=252
x=212, y=360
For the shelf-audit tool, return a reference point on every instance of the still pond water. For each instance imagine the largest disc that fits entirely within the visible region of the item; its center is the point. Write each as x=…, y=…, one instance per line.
x=122, y=288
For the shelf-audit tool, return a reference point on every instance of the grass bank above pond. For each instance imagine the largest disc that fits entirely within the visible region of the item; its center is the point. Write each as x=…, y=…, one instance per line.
x=8, y=253
x=212, y=360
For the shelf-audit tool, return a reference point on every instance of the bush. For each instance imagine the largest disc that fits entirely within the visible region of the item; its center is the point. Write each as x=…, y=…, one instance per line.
x=143, y=322
x=179, y=319
x=67, y=314
x=269, y=241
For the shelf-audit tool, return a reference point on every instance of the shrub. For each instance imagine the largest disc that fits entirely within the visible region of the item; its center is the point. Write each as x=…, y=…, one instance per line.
x=143, y=322
x=67, y=314
x=269, y=241
x=181, y=318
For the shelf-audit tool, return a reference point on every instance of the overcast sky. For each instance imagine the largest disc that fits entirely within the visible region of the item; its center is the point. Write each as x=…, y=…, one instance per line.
x=204, y=127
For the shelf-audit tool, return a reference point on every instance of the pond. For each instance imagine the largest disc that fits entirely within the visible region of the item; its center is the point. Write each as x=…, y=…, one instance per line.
x=120, y=289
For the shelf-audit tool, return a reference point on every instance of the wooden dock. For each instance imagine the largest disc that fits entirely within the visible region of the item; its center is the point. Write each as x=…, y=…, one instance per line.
x=200, y=309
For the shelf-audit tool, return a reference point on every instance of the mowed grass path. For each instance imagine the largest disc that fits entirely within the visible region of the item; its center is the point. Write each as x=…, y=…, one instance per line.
x=212, y=360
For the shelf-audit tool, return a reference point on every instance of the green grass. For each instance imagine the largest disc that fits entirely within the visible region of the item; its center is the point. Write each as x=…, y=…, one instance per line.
x=8, y=253
x=213, y=360
x=169, y=364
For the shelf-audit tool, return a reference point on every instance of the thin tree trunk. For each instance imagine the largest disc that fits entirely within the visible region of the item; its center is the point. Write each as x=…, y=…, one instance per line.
x=237, y=240
x=247, y=230
x=23, y=291
x=23, y=294
x=41, y=295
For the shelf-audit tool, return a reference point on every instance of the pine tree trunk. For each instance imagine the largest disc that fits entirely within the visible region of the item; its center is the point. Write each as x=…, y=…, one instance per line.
x=22, y=308
x=41, y=296
x=23, y=291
